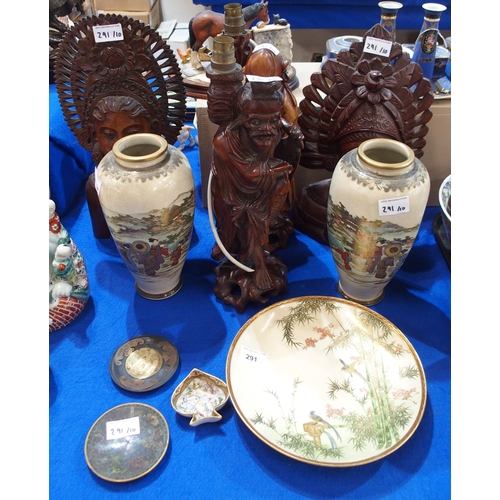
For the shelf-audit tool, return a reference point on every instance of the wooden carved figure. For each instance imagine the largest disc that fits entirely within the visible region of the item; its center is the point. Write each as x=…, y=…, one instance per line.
x=115, y=83
x=358, y=96
x=265, y=60
x=249, y=188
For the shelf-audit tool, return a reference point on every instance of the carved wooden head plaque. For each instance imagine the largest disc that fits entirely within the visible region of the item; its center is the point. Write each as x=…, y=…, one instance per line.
x=115, y=75
x=360, y=95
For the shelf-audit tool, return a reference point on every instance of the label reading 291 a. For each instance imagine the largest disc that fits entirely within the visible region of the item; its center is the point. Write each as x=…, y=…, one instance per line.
x=121, y=428
x=394, y=206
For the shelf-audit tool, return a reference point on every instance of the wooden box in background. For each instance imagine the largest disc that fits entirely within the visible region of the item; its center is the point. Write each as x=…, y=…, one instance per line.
x=124, y=5
x=151, y=17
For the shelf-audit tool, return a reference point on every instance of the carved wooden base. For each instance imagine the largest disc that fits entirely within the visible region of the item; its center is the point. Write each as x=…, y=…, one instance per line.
x=99, y=224
x=280, y=231
x=236, y=287
x=310, y=208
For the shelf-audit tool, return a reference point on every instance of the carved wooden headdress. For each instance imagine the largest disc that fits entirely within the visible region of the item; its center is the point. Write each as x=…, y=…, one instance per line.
x=361, y=95
x=141, y=66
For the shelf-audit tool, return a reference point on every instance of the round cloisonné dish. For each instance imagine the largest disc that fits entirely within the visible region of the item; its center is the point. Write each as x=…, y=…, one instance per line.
x=126, y=442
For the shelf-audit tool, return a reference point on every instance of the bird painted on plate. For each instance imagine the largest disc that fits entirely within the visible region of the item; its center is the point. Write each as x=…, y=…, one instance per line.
x=316, y=418
x=351, y=369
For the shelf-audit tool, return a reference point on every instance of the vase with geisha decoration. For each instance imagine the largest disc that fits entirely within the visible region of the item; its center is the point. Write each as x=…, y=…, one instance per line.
x=146, y=190
x=68, y=281
x=377, y=199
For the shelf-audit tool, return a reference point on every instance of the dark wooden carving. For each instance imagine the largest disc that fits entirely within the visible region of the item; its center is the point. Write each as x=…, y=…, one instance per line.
x=115, y=88
x=355, y=97
x=59, y=8
x=264, y=61
x=250, y=189
x=221, y=95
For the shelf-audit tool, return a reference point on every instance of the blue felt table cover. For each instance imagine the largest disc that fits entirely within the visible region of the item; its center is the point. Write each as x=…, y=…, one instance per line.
x=225, y=460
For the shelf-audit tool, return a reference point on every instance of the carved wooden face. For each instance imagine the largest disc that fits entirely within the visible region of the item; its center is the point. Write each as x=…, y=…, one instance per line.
x=262, y=129
x=118, y=125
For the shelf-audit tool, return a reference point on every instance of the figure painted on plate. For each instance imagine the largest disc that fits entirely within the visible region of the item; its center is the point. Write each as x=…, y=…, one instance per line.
x=351, y=369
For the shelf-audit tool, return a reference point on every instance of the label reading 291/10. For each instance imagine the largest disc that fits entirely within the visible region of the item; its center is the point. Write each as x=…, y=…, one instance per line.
x=108, y=33
x=377, y=46
x=394, y=206
x=121, y=428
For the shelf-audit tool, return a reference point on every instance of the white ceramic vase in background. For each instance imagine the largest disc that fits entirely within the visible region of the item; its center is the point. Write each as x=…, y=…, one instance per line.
x=146, y=190
x=377, y=200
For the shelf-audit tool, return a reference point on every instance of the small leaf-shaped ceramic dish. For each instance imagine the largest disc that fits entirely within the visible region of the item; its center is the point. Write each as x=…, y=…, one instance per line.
x=199, y=396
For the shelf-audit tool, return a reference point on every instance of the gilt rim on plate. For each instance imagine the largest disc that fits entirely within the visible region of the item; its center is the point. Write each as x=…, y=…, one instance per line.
x=326, y=381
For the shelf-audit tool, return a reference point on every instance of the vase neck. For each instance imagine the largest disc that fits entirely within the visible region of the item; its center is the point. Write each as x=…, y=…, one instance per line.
x=386, y=157
x=388, y=16
x=432, y=16
x=140, y=151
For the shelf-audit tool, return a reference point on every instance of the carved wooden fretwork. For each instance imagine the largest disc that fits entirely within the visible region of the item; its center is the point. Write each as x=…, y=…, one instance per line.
x=360, y=95
x=141, y=66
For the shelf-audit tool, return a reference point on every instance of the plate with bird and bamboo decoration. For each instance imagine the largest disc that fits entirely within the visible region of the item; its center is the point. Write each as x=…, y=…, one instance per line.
x=326, y=381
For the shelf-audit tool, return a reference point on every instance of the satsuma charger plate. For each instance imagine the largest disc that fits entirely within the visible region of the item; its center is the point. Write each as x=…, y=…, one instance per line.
x=326, y=381
x=126, y=442
x=144, y=363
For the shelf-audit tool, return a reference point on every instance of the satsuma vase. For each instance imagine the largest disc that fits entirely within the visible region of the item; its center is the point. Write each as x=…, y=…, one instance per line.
x=146, y=190
x=377, y=200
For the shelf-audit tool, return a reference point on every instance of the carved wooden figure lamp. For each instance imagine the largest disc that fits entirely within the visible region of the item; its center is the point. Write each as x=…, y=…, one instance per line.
x=249, y=188
x=250, y=179
x=115, y=76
